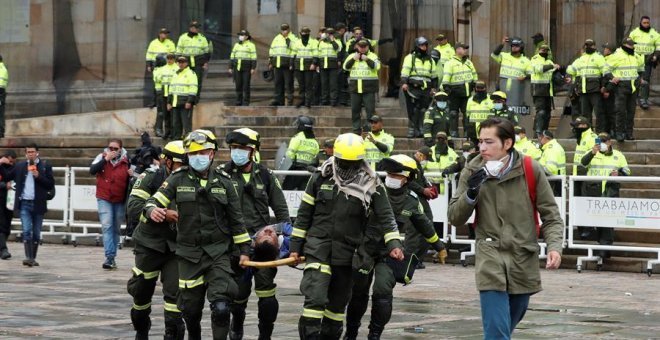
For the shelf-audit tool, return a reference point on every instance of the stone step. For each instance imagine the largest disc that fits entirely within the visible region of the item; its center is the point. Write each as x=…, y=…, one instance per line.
x=631, y=157
x=653, y=122
x=648, y=146
x=277, y=131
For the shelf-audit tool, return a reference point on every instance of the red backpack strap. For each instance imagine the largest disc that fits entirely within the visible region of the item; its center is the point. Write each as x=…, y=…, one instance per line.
x=531, y=188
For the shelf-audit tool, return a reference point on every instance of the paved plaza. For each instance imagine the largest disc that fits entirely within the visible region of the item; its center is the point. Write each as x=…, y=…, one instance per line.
x=70, y=297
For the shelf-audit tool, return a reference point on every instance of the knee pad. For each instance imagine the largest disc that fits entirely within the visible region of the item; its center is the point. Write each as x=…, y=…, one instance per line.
x=268, y=309
x=220, y=313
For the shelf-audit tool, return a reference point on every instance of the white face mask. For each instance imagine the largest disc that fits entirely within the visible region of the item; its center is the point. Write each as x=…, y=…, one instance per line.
x=241, y=38
x=393, y=183
x=518, y=138
x=466, y=154
x=423, y=163
x=498, y=106
x=493, y=168
x=604, y=147
x=324, y=35
x=441, y=105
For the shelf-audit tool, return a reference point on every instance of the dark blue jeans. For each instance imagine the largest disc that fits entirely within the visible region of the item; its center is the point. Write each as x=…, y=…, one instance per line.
x=501, y=312
x=31, y=222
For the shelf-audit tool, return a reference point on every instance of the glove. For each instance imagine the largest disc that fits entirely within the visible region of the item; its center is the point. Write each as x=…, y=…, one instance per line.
x=428, y=142
x=445, y=172
x=442, y=255
x=474, y=183
x=312, y=168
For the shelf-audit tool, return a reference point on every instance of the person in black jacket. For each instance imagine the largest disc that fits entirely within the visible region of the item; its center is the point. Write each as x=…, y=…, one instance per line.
x=34, y=178
x=5, y=214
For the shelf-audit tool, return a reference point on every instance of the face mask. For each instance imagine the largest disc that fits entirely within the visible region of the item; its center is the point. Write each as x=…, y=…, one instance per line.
x=393, y=183
x=240, y=157
x=480, y=95
x=493, y=168
x=590, y=50
x=442, y=148
x=466, y=154
x=498, y=106
x=199, y=162
x=441, y=105
x=324, y=35
x=604, y=147
x=518, y=138
x=304, y=37
x=423, y=163
x=544, y=55
x=644, y=29
x=241, y=38
x=628, y=50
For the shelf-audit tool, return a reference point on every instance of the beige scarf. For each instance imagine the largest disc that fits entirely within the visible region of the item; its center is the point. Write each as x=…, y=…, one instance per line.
x=361, y=186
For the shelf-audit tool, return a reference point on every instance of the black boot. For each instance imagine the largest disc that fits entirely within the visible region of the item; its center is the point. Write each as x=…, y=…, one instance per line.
x=237, y=320
x=309, y=329
x=4, y=252
x=265, y=331
x=28, y=253
x=268, y=310
x=35, y=247
x=141, y=323
x=381, y=312
x=331, y=329
x=175, y=328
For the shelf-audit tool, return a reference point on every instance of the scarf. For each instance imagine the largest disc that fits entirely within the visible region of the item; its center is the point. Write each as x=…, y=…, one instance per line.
x=360, y=186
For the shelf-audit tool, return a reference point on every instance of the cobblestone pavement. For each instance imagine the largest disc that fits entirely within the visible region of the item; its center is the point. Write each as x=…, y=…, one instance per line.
x=70, y=297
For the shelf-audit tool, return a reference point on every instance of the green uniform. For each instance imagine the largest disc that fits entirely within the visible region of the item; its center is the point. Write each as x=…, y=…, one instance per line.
x=362, y=85
x=553, y=161
x=458, y=77
x=305, y=57
x=541, y=71
x=446, y=51
x=280, y=56
x=418, y=72
x=210, y=226
x=590, y=73
x=646, y=44
x=380, y=149
x=302, y=151
x=243, y=61
x=330, y=52
x=440, y=159
x=505, y=113
x=477, y=112
x=329, y=228
x=158, y=47
x=258, y=191
x=410, y=217
x=435, y=120
x=198, y=50
x=627, y=68
x=512, y=67
x=155, y=244
x=183, y=89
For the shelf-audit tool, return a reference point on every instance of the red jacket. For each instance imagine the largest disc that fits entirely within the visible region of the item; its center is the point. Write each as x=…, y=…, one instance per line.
x=111, y=181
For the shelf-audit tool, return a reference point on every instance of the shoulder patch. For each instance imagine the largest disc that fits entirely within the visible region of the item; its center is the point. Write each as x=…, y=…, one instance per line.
x=329, y=187
x=164, y=185
x=218, y=191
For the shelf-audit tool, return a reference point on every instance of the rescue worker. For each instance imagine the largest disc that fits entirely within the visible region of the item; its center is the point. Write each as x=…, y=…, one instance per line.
x=514, y=69
x=442, y=156
x=500, y=109
x=196, y=47
x=182, y=98
x=524, y=145
x=541, y=70
x=585, y=139
x=242, y=66
x=4, y=82
x=302, y=151
x=165, y=75
x=647, y=44
x=330, y=52
x=553, y=159
x=436, y=118
x=161, y=46
x=373, y=268
x=161, y=102
x=280, y=57
x=603, y=160
x=377, y=143
x=305, y=58
x=258, y=190
x=477, y=110
x=155, y=245
x=418, y=81
x=441, y=53
x=590, y=73
x=609, y=107
x=539, y=41
x=627, y=67
x=363, y=67
x=459, y=76
x=331, y=222
x=210, y=226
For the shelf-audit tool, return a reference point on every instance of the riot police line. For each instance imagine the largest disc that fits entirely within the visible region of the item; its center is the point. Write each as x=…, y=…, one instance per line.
x=71, y=199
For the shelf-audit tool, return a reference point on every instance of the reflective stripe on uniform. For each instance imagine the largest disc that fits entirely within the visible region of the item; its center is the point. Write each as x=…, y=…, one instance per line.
x=242, y=238
x=162, y=199
x=307, y=198
x=140, y=193
x=323, y=268
x=312, y=313
x=171, y=307
x=433, y=239
x=393, y=235
x=265, y=293
x=142, y=307
x=299, y=233
x=147, y=275
x=333, y=316
x=183, y=284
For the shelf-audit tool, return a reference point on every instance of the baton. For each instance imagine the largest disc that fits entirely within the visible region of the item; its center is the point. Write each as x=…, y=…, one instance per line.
x=271, y=264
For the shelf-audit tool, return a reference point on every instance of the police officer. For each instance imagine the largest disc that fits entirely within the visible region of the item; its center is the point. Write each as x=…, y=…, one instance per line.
x=514, y=68
x=363, y=67
x=441, y=53
x=4, y=82
x=155, y=244
x=210, y=226
x=330, y=53
x=258, y=190
x=378, y=143
x=182, y=98
x=627, y=67
x=358, y=34
x=196, y=47
x=609, y=108
x=373, y=268
x=477, y=110
x=418, y=80
x=342, y=76
x=280, y=57
x=458, y=80
x=647, y=44
x=553, y=159
x=436, y=118
x=242, y=65
x=500, y=109
x=161, y=101
x=524, y=145
x=541, y=71
x=442, y=156
x=302, y=151
x=337, y=201
x=603, y=160
x=539, y=41
x=586, y=139
x=305, y=59
x=591, y=73
x=161, y=46
x=165, y=75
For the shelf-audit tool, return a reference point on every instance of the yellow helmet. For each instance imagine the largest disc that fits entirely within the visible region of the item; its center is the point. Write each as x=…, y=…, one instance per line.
x=200, y=140
x=349, y=147
x=244, y=136
x=174, y=150
x=498, y=95
x=399, y=164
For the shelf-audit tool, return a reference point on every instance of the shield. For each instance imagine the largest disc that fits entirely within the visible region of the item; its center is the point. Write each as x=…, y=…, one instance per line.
x=517, y=95
x=282, y=162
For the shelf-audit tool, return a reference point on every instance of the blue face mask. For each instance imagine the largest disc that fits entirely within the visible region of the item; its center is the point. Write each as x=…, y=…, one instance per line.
x=441, y=105
x=240, y=157
x=199, y=162
x=498, y=106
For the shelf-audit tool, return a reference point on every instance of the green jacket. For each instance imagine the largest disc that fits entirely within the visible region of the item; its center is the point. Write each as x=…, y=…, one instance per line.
x=210, y=217
x=506, y=243
x=157, y=236
x=258, y=191
x=331, y=225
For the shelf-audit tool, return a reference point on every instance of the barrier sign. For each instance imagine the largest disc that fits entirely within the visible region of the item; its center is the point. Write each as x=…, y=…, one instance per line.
x=619, y=212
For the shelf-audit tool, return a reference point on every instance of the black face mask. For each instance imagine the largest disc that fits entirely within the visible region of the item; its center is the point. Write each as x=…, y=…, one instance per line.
x=589, y=50
x=628, y=50
x=442, y=148
x=480, y=95
x=544, y=55
x=647, y=29
x=578, y=133
x=304, y=38
x=192, y=34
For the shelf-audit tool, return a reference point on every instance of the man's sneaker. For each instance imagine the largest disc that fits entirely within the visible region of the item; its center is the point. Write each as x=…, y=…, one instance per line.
x=109, y=264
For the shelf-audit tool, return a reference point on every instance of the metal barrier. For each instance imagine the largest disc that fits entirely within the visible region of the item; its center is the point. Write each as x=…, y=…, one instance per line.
x=612, y=212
